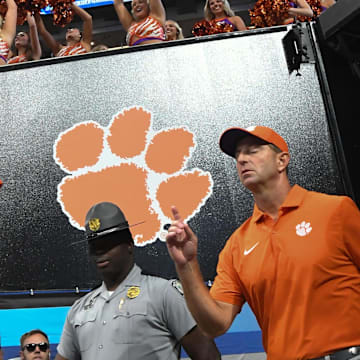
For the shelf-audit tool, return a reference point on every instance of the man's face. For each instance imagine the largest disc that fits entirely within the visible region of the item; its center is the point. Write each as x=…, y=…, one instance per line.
x=112, y=253
x=30, y=352
x=256, y=163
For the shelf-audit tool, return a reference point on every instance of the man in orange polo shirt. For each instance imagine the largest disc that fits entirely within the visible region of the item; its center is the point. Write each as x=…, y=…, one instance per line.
x=296, y=260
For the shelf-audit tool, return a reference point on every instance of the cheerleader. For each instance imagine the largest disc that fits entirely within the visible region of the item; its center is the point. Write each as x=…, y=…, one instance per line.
x=220, y=12
x=219, y=18
x=145, y=24
x=27, y=45
x=76, y=42
x=8, y=31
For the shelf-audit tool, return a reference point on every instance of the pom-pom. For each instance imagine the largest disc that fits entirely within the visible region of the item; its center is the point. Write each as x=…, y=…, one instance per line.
x=211, y=27
x=218, y=27
x=201, y=28
x=3, y=8
x=269, y=13
x=22, y=9
x=62, y=12
x=37, y=5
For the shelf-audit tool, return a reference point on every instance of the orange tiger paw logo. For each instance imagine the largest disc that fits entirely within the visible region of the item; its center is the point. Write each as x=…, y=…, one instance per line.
x=133, y=166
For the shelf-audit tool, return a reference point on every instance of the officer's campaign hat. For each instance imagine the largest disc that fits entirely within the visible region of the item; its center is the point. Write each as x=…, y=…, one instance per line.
x=104, y=218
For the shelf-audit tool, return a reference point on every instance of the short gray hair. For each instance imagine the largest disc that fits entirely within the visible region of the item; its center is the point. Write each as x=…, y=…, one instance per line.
x=278, y=151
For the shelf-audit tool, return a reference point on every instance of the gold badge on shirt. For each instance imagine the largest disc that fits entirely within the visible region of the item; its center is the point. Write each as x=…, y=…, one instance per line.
x=133, y=292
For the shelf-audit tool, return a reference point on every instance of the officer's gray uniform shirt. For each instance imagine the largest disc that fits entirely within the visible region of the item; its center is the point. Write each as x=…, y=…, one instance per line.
x=144, y=318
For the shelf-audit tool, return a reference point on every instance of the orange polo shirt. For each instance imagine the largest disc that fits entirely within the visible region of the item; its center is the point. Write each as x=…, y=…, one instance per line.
x=300, y=274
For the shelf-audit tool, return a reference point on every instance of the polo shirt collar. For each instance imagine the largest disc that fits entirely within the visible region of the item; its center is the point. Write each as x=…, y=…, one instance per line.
x=293, y=200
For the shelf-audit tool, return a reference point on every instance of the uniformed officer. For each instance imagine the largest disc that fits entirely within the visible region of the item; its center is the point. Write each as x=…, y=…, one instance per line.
x=131, y=315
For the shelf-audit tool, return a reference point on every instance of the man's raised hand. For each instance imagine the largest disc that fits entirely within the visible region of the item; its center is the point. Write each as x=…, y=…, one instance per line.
x=180, y=240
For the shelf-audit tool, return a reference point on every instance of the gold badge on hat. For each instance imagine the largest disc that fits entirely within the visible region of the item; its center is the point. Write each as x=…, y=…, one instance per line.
x=133, y=292
x=94, y=224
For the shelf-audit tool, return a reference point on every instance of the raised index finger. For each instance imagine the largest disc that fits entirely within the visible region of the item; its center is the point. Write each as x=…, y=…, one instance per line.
x=175, y=213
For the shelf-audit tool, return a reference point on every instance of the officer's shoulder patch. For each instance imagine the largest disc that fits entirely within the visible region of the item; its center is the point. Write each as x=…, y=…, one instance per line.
x=177, y=285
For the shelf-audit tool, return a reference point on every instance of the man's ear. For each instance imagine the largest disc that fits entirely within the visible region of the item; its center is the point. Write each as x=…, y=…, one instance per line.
x=22, y=357
x=283, y=161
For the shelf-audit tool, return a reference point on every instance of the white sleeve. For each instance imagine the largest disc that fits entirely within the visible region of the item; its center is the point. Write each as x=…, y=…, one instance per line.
x=68, y=347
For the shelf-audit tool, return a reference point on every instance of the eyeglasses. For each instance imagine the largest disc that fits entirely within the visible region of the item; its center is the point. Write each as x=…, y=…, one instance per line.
x=43, y=346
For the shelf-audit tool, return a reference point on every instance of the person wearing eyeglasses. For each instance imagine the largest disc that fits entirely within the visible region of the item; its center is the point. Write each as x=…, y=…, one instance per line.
x=34, y=345
x=131, y=315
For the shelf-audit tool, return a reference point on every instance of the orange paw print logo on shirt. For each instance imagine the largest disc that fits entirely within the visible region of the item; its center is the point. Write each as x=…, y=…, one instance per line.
x=133, y=166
